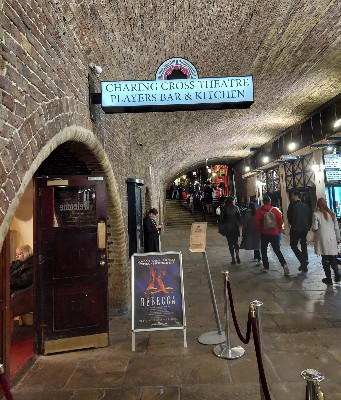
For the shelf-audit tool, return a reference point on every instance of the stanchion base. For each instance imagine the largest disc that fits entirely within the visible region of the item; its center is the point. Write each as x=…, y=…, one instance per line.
x=223, y=351
x=212, y=338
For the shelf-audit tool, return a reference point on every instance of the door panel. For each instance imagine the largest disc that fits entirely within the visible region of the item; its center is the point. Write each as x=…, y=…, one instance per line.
x=71, y=276
x=5, y=335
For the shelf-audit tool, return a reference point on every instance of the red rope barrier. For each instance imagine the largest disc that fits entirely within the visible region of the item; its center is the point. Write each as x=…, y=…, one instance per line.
x=4, y=384
x=248, y=329
x=259, y=359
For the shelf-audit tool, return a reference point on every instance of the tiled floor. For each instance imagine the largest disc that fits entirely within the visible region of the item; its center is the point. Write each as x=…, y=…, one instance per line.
x=301, y=320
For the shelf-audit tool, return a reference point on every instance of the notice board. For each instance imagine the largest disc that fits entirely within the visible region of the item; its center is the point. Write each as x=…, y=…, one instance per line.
x=157, y=291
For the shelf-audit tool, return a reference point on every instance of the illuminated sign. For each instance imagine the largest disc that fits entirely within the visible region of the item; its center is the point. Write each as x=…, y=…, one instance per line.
x=332, y=164
x=177, y=94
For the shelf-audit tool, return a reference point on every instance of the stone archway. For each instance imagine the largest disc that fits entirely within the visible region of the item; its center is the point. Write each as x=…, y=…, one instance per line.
x=95, y=158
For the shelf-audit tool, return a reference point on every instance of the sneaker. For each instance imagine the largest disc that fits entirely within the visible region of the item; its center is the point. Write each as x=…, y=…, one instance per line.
x=254, y=259
x=238, y=260
x=259, y=263
x=286, y=269
x=265, y=269
x=327, y=281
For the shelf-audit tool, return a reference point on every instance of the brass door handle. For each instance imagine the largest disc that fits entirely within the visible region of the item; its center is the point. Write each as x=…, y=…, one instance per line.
x=102, y=263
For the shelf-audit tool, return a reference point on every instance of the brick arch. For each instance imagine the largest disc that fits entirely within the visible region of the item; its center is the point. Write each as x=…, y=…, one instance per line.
x=117, y=250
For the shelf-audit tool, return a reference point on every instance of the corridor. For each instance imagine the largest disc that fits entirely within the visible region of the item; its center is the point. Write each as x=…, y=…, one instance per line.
x=301, y=329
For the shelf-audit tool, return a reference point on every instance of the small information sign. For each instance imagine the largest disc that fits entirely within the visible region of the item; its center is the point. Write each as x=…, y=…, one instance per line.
x=197, y=243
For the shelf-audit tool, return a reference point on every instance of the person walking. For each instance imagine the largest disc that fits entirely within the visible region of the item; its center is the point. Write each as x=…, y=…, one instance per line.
x=229, y=221
x=251, y=237
x=270, y=234
x=326, y=238
x=299, y=218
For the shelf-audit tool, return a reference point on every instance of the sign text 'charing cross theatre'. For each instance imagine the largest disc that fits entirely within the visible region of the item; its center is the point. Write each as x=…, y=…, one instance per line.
x=177, y=88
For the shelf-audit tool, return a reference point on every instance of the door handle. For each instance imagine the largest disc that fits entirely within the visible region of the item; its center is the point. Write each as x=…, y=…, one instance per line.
x=102, y=261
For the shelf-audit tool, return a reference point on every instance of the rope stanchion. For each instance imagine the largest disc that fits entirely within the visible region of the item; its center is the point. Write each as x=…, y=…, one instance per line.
x=313, y=390
x=234, y=318
x=225, y=350
x=265, y=394
x=4, y=384
x=218, y=336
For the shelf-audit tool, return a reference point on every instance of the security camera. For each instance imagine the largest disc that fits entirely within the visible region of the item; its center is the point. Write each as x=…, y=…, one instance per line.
x=95, y=68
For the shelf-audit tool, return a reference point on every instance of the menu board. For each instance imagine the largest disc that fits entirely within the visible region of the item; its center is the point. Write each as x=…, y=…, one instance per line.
x=332, y=163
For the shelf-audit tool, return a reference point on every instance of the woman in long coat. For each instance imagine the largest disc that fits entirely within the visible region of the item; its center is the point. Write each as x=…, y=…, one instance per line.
x=229, y=221
x=327, y=236
x=251, y=237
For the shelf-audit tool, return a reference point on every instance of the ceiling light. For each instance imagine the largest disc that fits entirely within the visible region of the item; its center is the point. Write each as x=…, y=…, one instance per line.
x=337, y=123
x=266, y=159
x=291, y=146
x=247, y=169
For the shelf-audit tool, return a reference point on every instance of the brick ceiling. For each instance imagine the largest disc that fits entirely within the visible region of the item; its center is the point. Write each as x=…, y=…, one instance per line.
x=292, y=48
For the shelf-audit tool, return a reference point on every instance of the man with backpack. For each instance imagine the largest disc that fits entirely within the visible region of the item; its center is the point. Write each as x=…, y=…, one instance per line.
x=268, y=221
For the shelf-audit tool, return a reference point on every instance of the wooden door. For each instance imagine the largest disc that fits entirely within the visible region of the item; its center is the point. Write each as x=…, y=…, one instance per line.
x=5, y=335
x=71, y=273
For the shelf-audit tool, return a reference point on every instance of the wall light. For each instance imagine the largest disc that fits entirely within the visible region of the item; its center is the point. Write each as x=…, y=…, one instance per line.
x=266, y=159
x=337, y=123
x=247, y=168
x=95, y=68
x=315, y=168
x=291, y=146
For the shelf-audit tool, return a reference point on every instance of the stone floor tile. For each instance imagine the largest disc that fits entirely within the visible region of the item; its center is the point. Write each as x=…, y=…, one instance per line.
x=160, y=393
x=290, y=365
x=180, y=371
x=247, y=391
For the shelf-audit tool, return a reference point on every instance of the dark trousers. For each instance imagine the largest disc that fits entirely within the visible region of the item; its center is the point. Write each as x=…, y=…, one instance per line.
x=232, y=242
x=256, y=255
x=295, y=237
x=274, y=241
x=328, y=263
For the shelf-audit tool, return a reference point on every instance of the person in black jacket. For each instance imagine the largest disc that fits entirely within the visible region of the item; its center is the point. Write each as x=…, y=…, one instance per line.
x=151, y=232
x=21, y=270
x=300, y=219
x=229, y=221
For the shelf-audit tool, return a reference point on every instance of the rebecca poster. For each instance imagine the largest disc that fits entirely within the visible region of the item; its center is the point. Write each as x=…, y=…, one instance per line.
x=157, y=291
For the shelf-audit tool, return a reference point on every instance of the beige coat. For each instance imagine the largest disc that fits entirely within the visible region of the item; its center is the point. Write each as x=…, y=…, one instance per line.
x=327, y=234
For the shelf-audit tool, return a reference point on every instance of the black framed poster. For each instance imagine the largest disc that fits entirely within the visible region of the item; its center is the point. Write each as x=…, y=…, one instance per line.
x=157, y=292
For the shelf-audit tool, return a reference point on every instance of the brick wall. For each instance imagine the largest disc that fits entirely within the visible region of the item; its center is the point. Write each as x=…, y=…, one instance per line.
x=44, y=104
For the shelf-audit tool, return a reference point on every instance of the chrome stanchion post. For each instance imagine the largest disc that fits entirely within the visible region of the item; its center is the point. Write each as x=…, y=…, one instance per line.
x=225, y=350
x=257, y=304
x=218, y=336
x=313, y=379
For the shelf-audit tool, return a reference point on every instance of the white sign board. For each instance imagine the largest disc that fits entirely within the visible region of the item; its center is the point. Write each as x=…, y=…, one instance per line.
x=177, y=94
x=197, y=242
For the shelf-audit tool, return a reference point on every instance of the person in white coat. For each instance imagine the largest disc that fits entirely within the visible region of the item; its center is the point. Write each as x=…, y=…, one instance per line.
x=327, y=236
